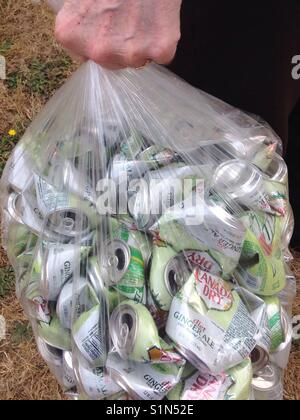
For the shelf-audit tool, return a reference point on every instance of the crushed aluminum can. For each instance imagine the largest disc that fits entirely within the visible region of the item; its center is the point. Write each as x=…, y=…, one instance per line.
x=75, y=296
x=205, y=316
x=66, y=177
x=277, y=170
x=54, y=334
x=34, y=304
x=23, y=210
x=267, y=384
x=65, y=214
x=90, y=335
x=280, y=356
x=51, y=355
x=57, y=263
x=169, y=271
x=69, y=379
x=123, y=268
x=275, y=321
x=262, y=267
x=235, y=384
x=95, y=383
x=135, y=335
x=126, y=231
x=245, y=184
x=143, y=381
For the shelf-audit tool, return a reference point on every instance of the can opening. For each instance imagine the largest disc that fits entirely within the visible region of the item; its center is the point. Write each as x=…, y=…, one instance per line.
x=173, y=282
x=127, y=320
x=255, y=356
x=119, y=259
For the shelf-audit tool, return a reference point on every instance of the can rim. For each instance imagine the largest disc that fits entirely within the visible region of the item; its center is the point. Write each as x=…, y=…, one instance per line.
x=129, y=335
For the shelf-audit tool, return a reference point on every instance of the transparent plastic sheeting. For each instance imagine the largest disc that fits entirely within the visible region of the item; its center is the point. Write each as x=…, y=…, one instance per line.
x=148, y=224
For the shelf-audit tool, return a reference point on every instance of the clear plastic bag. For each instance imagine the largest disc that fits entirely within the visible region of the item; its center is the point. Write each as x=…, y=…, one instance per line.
x=148, y=224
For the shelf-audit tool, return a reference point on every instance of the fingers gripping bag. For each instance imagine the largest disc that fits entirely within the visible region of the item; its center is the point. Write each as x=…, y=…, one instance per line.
x=148, y=225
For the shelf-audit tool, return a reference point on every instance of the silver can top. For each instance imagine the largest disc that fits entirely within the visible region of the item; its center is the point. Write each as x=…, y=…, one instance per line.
x=114, y=262
x=176, y=274
x=123, y=329
x=237, y=178
x=267, y=378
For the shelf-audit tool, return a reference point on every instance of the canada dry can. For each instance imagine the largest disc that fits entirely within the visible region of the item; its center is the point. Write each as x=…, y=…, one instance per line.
x=122, y=267
x=280, y=355
x=75, y=297
x=90, y=335
x=111, y=295
x=34, y=304
x=156, y=156
x=95, y=382
x=203, y=317
x=51, y=355
x=57, y=263
x=169, y=271
x=143, y=381
x=262, y=268
x=69, y=379
x=65, y=213
x=54, y=334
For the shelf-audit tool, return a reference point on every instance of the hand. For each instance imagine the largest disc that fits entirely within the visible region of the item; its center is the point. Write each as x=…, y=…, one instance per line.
x=120, y=33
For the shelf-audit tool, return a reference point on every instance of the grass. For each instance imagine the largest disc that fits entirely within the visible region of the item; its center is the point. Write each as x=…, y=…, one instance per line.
x=7, y=280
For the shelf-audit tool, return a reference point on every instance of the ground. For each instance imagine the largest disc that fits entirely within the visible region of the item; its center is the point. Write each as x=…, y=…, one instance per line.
x=36, y=67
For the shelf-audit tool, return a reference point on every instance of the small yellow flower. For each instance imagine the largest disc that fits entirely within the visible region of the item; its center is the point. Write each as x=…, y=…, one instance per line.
x=12, y=133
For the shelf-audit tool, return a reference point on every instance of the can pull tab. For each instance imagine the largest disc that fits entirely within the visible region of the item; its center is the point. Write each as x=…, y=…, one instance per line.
x=124, y=335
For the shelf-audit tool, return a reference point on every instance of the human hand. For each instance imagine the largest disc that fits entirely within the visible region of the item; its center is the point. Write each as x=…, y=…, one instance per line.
x=120, y=33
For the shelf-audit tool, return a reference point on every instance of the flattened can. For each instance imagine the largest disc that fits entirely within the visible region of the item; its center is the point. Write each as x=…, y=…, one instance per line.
x=69, y=379
x=169, y=271
x=205, y=317
x=280, y=356
x=288, y=294
x=262, y=267
x=57, y=263
x=126, y=231
x=235, y=384
x=122, y=267
x=65, y=213
x=35, y=306
x=143, y=381
x=51, y=355
x=54, y=334
x=244, y=183
x=267, y=384
x=90, y=335
x=135, y=335
x=74, y=298
x=95, y=382
x=274, y=312
x=111, y=295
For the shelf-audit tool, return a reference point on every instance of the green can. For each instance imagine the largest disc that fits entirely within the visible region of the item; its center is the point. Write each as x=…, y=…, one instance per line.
x=54, y=334
x=235, y=384
x=274, y=313
x=262, y=267
x=135, y=335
